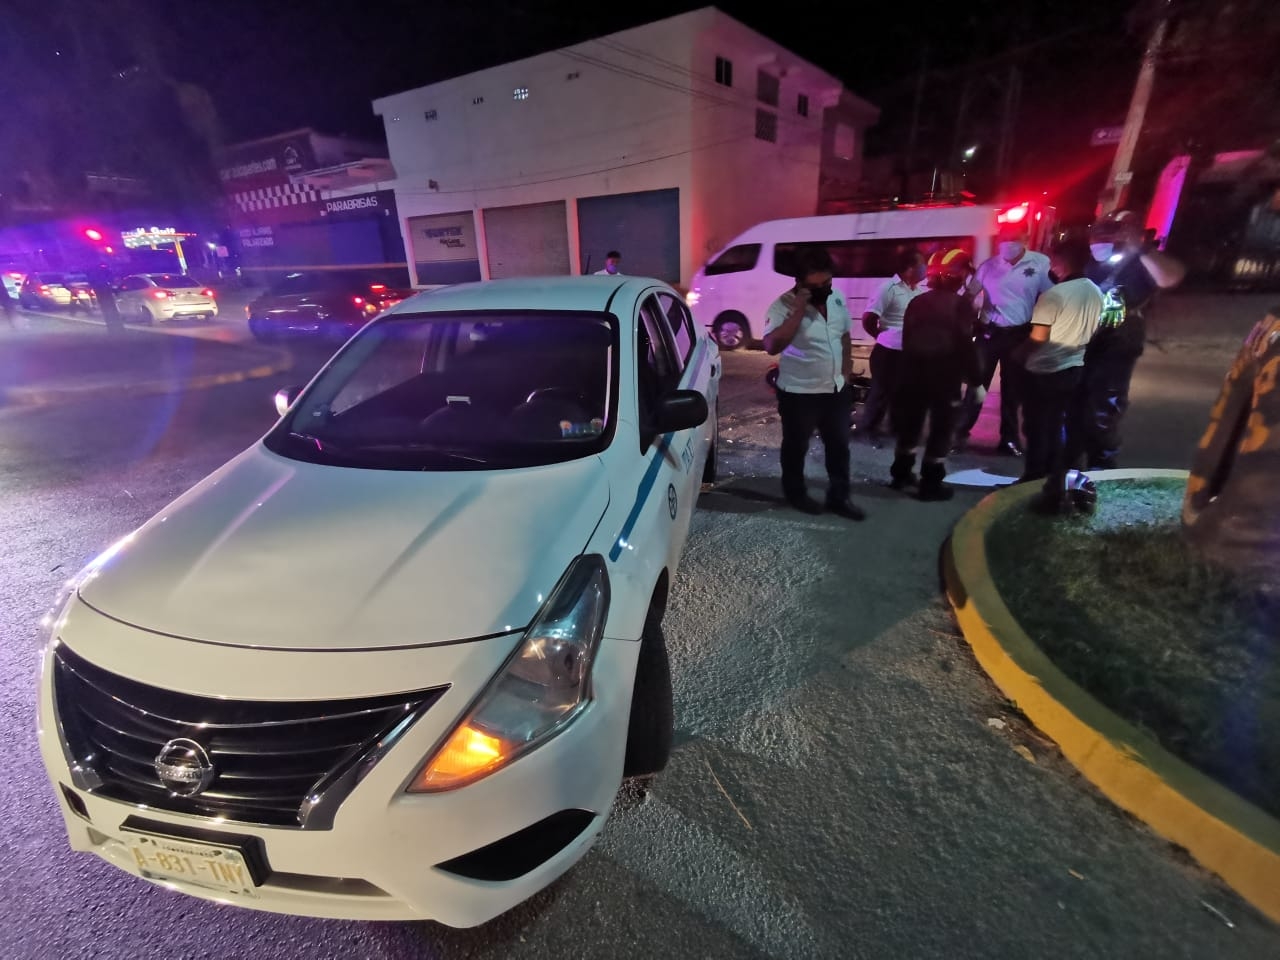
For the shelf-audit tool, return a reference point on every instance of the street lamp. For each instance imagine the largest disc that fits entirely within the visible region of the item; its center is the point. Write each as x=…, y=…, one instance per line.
x=969, y=153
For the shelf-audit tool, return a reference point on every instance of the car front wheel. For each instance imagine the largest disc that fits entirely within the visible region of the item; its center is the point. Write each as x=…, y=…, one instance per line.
x=652, y=714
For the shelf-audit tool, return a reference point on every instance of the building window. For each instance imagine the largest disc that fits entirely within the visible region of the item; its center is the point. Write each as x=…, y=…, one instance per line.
x=724, y=71
x=429, y=115
x=767, y=126
x=574, y=75
x=520, y=93
x=767, y=88
x=477, y=100
x=802, y=105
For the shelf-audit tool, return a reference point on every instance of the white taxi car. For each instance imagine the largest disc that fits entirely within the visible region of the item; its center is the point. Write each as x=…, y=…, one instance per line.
x=394, y=660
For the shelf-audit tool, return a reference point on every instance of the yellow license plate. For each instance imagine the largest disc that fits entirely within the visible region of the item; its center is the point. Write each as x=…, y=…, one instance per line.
x=193, y=863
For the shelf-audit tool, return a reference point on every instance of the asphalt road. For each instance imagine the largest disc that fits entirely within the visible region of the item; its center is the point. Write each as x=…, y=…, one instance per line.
x=836, y=791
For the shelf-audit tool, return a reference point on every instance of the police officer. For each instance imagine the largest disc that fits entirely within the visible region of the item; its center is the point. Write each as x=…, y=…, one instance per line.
x=1129, y=272
x=938, y=357
x=809, y=326
x=1007, y=285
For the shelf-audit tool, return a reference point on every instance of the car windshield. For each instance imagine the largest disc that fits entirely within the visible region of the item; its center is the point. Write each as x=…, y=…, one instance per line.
x=460, y=391
x=173, y=280
x=51, y=279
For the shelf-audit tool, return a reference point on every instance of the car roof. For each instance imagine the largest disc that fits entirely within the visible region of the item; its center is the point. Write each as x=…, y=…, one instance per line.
x=592, y=293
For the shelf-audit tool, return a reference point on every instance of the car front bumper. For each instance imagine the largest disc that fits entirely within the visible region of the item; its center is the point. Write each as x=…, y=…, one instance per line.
x=382, y=858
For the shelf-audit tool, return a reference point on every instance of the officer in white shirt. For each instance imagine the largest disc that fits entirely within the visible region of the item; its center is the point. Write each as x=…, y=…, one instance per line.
x=883, y=320
x=809, y=326
x=1063, y=324
x=1007, y=286
x=612, y=265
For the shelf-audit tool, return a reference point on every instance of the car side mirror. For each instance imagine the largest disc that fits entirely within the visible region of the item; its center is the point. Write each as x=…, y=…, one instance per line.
x=285, y=397
x=681, y=410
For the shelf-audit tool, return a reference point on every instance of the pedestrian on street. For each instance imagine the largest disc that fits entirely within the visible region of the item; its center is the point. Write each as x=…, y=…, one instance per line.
x=1063, y=323
x=100, y=281
x=939, y=357
x=1129, y=273
x=1007, y=286
x=612, y=265
x=810, y=326
x=884, y=322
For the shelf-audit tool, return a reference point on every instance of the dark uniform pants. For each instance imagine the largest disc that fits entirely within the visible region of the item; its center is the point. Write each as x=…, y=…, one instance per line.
x=1102, y=397
x=884, y=378
x=1048, y=397
x=994, y=347
x=802, y=414
x=919, y=394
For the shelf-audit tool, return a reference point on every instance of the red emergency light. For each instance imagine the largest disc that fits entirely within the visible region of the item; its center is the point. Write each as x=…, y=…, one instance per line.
x=1013, y=214
x=92, y=234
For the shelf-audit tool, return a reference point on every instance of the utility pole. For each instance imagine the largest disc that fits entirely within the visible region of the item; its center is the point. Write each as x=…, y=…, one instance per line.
x=1116, y=190
x=1008, y=125
x=909, y=160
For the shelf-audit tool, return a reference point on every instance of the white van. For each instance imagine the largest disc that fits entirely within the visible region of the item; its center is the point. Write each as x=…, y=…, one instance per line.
x=732, y=292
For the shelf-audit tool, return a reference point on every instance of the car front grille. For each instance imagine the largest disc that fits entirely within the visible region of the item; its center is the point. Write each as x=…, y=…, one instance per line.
x=275, y=763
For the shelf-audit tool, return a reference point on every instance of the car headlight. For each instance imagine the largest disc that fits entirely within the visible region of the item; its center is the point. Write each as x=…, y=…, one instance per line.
x=692, y=298
x=541, y=688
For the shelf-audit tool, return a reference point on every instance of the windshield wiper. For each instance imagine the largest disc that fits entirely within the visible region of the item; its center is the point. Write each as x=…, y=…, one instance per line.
x=423, y=448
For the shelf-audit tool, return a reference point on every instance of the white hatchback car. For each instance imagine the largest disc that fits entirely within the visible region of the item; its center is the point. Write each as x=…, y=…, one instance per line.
x=393, y=660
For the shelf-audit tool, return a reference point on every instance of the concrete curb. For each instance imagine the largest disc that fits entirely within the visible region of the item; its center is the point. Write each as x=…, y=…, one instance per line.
x=1224, y=833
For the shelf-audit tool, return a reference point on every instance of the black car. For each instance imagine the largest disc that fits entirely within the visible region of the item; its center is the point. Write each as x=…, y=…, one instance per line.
x=326, y=305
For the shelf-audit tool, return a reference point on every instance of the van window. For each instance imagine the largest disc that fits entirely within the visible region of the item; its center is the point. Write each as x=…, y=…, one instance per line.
x=866, y=258
x=737, y=259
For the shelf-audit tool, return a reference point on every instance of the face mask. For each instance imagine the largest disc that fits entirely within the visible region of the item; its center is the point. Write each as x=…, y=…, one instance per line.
x=1011, y=250
x=611, y=268
x=1102, y=251
x=818, y=295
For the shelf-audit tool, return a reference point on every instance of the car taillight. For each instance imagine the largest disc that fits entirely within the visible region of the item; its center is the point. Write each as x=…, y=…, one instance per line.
x=358, y=301
x=160, y=294
x=377, y=286
x=44, y=288
x=206, y=292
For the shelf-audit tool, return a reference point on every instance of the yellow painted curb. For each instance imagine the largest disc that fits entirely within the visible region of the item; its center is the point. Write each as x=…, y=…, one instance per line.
x=1226, y=834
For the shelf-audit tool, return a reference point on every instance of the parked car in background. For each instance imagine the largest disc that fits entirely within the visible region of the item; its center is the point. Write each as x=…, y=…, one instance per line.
x=12, y=280
x=156, y=297
x=319, y=304
x=394, y=660
x=56, y=291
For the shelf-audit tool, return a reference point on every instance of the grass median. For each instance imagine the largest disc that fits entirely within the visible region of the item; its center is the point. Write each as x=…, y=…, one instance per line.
x=1179, y=648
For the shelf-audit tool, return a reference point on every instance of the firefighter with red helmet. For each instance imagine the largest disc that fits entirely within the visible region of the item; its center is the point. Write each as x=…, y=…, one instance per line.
x=938, y=358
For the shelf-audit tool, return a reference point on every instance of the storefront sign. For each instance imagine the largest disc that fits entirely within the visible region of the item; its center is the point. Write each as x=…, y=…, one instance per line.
x=368, y=201
x=444, y=248
x=257, y=237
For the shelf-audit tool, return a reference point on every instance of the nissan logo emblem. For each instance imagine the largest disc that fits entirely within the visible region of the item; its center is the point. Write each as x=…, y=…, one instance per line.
x=184, y=767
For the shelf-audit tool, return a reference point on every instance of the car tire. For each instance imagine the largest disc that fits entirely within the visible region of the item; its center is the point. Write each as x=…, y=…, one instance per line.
x=652, y=725
x=731, y=330
x=711, y=469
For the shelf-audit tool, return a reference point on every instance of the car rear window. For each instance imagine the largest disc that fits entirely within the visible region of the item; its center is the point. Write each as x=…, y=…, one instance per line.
x=173, y=280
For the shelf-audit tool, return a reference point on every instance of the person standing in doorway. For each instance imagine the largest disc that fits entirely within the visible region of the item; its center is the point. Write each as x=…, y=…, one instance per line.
x=1007, y=287
x=1063, y=323
x=884, y=322
x=612, y=265
x=938, y=358
x=1129, y=273
x=809, y=326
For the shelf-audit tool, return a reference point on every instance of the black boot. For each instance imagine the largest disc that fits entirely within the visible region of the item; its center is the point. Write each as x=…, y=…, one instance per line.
x=931, y=487
x=902, y=471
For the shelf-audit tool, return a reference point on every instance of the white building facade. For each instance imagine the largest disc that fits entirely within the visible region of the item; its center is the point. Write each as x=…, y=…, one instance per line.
x=662, y=142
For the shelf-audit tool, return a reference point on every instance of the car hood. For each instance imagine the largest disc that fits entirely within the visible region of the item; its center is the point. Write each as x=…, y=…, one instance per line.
x=271, y=552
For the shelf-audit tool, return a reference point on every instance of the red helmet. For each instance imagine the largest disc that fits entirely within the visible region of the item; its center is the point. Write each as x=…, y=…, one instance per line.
x=949, y=265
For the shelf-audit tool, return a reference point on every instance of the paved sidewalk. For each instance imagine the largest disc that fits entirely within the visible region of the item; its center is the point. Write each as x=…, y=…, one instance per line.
x=46, y=360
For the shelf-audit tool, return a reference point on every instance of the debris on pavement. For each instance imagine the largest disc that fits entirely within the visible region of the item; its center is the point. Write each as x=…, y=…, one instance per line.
x=1076, y=874
x=726, y=795
x=996, y=723
x=1024, y=753
x=1219, y=914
